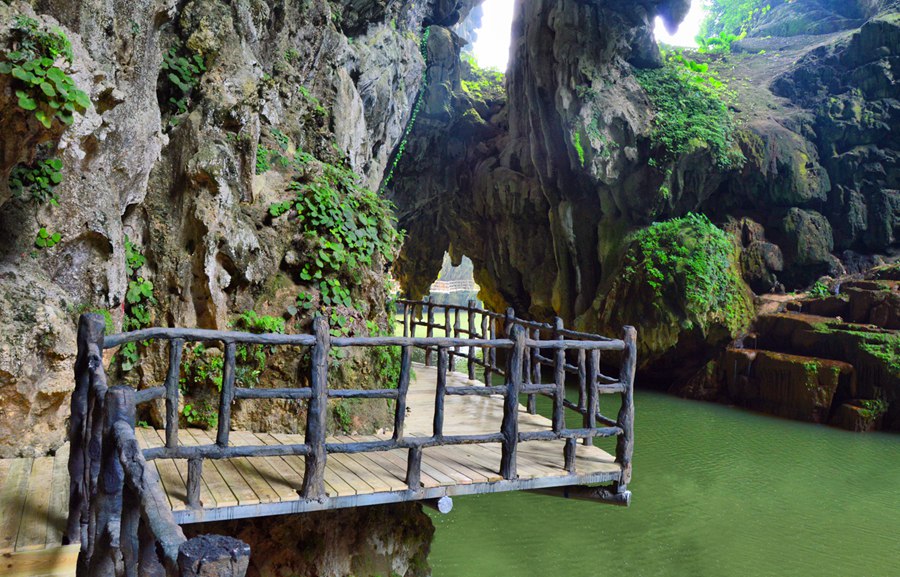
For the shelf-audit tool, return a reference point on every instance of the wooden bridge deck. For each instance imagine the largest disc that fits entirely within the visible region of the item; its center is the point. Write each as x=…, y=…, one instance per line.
x=34, y=492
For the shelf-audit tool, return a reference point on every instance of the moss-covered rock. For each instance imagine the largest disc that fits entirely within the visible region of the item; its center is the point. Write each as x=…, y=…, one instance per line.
x=680, y=284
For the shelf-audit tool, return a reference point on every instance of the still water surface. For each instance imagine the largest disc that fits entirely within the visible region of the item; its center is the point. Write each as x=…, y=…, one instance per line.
x=717, y=492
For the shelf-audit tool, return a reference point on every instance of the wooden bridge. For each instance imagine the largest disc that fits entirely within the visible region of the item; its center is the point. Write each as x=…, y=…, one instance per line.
x=128, y=489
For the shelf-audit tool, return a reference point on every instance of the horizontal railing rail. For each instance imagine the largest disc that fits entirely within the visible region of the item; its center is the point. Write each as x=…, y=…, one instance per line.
x=474, y=335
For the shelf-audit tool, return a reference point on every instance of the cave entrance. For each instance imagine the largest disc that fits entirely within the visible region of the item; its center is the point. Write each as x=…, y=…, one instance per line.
x=493, y=35
x=685, y=36
x=455, y=285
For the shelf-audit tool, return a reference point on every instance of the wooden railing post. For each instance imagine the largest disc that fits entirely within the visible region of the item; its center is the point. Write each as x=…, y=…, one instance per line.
x=593, y=402
x=405, y=319
x=314, y=475
x=486, y=333
x=175, y=350
x=227, y=396
x=105, y=526
x=440, y=392
x=625, y=420
x=195, y=473
x=413, y=313
x=510, y=427
x=429, y=331
x=559, y=378
x=448, y=328
x=402, y=390
x=90, y=331
x=472, y=332
x=213, y=556
x=530, y=366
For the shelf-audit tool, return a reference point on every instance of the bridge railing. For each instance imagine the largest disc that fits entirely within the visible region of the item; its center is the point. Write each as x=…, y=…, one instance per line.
x=547, y=346
x=117, y=508
x=105, y=459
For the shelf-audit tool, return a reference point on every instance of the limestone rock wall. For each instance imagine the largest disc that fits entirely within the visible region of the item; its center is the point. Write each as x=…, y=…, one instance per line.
x=178, y=173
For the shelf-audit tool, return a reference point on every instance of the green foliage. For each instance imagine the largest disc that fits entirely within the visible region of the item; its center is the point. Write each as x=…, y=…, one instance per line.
x=718, y=44
x=37, y=65
x=341, y=414
x=138, y=300
x=691, y=112
x=251, y=359
x=873, y=408
x=819, y=289
x=37, y=181
x=423, y=49
x=687, y=264
x=181, y=73
x=204, y=415
x=733, y=17
x=266, y=156
x=347, y=227
x=46, y=239
x=482, y=84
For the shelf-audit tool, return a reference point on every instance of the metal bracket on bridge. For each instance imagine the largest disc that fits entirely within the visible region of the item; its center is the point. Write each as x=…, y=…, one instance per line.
x=442, y=505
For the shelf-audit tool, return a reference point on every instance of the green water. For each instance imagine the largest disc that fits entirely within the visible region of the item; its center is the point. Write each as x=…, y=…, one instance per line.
x=717, y=492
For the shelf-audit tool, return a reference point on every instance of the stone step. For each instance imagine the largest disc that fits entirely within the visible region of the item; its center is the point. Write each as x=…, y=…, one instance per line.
x=859, y=415
x=861, y=301
x=873, y=352
x=792, y=386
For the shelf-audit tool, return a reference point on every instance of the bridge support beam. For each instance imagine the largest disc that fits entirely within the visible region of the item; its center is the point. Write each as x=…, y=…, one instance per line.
x=602, y=494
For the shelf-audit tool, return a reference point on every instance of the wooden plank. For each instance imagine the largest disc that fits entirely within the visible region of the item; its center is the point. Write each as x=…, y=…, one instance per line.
x=5, y=465
x=172, y=481
x=59, y=498
x=58, y=561
x=207, y=497
x=332, y=478
x=291, y=475
x=463, y=460
x=358, y=476
x=379, y=464
x=267, y=471
x=242, y=490
x=33, y=527
x=431, y=477
x=12, y=502
x=219, y=491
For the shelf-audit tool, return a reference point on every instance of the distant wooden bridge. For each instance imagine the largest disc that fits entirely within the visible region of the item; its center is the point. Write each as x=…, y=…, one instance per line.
x=121, y=492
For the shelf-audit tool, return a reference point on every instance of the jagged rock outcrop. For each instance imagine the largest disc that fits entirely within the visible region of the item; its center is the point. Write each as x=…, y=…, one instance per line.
x=547, y=197
x=203, y=113
x=378, y=540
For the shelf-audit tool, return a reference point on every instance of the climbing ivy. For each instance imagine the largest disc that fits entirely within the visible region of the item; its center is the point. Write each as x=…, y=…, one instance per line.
x=37, y=63
x=346, y=225
x=180, y=75
x=423, y=49
x=37, y=181
x=138, y=300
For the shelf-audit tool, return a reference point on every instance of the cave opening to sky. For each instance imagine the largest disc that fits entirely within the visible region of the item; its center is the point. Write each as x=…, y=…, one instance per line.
x=491, y=48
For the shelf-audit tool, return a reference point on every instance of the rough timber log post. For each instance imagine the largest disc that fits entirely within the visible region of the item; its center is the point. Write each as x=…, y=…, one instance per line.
x=90, y=331
x=314, y=475
x=429, y=329
x=175, y=350
x=213, y=556
x=227, y=395
x=625, y=420
x=105, y=527
x=470, y=310
x=510, y=426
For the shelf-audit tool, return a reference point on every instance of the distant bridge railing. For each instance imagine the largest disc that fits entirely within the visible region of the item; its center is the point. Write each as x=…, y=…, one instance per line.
x=119, y=511
x=453, y=286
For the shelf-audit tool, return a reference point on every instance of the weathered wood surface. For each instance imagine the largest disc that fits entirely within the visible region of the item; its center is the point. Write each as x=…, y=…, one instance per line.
x=353, y=478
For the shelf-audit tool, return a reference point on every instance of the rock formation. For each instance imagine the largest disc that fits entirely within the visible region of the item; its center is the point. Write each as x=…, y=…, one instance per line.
x=548, y=189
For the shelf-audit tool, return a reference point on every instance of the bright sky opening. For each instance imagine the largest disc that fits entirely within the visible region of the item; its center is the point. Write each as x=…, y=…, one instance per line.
x=492, y=46
x=491, y=49
x=687, y=30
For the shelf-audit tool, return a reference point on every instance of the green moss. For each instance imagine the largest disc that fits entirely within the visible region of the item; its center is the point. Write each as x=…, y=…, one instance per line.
x=576, y=142
x=482, y=84
x=688, y=263
x=691, y=113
